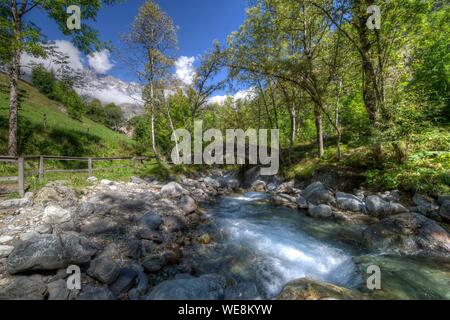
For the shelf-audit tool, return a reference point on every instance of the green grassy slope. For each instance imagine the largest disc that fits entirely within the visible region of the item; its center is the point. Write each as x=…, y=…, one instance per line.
x=62, y=135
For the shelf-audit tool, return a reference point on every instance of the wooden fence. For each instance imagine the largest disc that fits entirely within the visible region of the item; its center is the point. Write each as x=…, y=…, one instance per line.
x=41, y=171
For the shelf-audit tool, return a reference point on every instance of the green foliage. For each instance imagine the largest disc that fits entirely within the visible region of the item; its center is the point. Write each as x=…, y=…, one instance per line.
x=109, y=115
x=43, y=80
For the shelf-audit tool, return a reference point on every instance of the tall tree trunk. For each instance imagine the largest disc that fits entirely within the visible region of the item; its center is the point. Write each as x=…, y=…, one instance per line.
x=337, y=125
x=14, y=73
x=152, y=118
x=319, y=130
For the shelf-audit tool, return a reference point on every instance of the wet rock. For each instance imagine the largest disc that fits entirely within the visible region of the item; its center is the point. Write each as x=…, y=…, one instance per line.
x=206, y=287
x=174, y=224
x=302, y=203
x=173, y=190
x=96, y=293
x=242, y=291
x=259, y=186
x=321, y=211
x=152, y=220
x=49, y=252
x=309, y=289
x=125, y=281
x=377, y=206
x=425, y=204
x=104, y=270
x=286, y=187
x=188, y=205
x=228, y=182
x=17, y=203
x=349, y=202
x=409, y=234
x=316, y=193
x=5, y=250
x=284, y=200
x=24, y=288
x=58, y=193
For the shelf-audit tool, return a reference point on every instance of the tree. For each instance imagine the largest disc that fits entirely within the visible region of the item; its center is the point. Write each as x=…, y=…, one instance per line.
x=26, y=37
x=151, y=38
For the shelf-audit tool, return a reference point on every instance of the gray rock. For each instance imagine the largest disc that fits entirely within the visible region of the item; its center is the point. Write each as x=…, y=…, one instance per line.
x=96, y=293
x=443, y=198
x=284, y=200
x=259, y=186
x=408, y=233
x=174, y=224
x=229, y=182
x=154, y=263
x=24, y=288
x=138, y=180
x=286, y=187
x=444, y=212
x=54, y=214
x=44, y=228
x=104, y=270
x=57, y=290
x=349, y=202
x=28, y=235
x=377, y=206
x=58, y=193
x=17, y=203
x=125, y=281
x=302, y=202
x=316, y=193
x=173, y=190
x=242, y=291
x=187, y=204
x=151, y=235
x=49, y=252
x=98, y=225
x=152, y=220
x=5, y=250
x=206, y=287
x=210, y=182
x=86, y=209
x=5, y=239
x=320, y=211
x=425, y=204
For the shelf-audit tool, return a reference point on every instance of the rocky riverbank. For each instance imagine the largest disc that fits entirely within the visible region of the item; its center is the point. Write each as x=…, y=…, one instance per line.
x=129, y=239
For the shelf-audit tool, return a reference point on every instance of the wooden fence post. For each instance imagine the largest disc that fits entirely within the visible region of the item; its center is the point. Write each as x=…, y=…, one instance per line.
x=41, y=168
x=90, y=167
x=134, y=165
x=21, y=172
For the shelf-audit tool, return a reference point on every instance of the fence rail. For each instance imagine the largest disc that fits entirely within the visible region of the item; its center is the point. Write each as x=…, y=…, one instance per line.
x=21, y=161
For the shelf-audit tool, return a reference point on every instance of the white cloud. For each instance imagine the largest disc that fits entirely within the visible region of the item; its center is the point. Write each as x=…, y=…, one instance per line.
x=246, y=94
x=75, y=57
x=99, y=61
x=184, y=69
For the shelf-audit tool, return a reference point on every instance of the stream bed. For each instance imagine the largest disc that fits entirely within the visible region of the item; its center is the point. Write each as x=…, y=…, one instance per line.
x=268, y=246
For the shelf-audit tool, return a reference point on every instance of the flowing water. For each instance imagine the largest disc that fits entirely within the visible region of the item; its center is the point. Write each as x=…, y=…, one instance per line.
x=271, y=245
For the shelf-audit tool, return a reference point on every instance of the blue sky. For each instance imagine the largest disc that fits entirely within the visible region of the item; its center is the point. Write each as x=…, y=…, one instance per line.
x=200, y=22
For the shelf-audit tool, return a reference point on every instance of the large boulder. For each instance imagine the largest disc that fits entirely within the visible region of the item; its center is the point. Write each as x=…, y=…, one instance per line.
x=349, y=202
x=124, y=282
x=173, y=190
x=49, y=252
x=174, y=224
x=206, y=287
x=379, y=207
x=24, y=288
x=322, y=211
x=58, y=193
x=57, y=290
x=5, y=250
x=425, y=205
x=409, y=234
x=309, y=289
x=316, y=193
x=54, y=214
x=284, y=200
